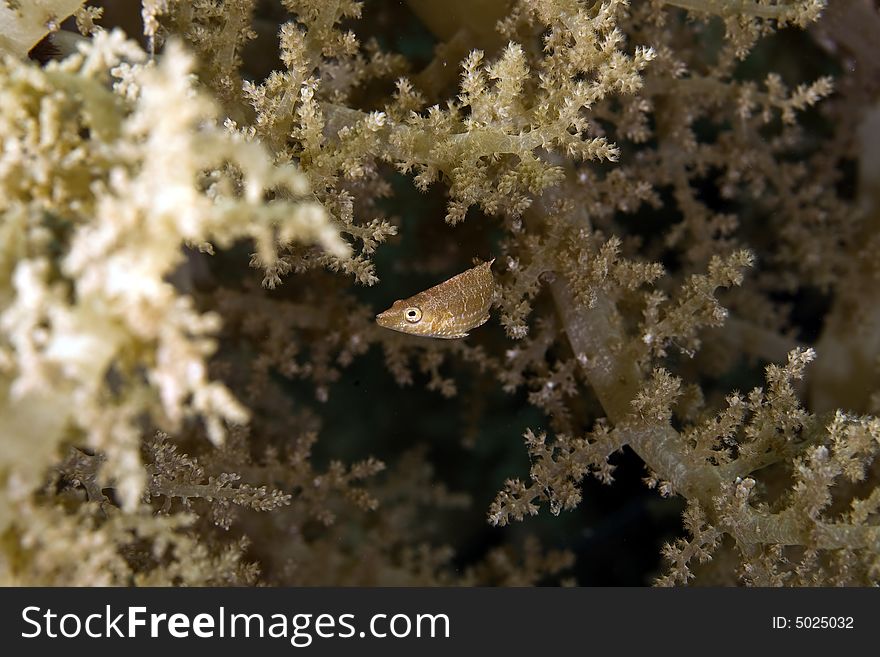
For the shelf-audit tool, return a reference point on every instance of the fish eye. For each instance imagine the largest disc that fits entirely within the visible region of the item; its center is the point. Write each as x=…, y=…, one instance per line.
x=412, y=314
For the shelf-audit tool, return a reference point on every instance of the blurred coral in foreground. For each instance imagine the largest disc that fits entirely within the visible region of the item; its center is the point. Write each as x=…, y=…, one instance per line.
x=203, y=204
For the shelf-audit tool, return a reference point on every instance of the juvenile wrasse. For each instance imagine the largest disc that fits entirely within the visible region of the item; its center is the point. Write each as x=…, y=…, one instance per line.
x=448, y=310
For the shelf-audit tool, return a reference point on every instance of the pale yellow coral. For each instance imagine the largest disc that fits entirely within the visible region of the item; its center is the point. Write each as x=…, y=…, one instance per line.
x=100, y=195
x=24, y=22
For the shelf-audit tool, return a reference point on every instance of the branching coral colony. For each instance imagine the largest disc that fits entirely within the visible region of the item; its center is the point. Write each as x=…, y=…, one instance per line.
x=666, y=198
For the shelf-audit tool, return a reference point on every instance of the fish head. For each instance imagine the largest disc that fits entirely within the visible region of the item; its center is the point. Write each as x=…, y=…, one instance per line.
x=407, y=316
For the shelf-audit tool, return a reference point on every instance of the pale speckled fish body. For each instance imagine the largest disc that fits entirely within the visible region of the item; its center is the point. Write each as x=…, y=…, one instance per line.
x=448, y=310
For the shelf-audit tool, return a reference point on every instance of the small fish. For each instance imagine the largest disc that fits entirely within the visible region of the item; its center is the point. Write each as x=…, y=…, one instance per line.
x=448, y=310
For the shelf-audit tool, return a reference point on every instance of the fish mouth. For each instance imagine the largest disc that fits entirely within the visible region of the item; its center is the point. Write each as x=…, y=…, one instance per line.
x=388, y=320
